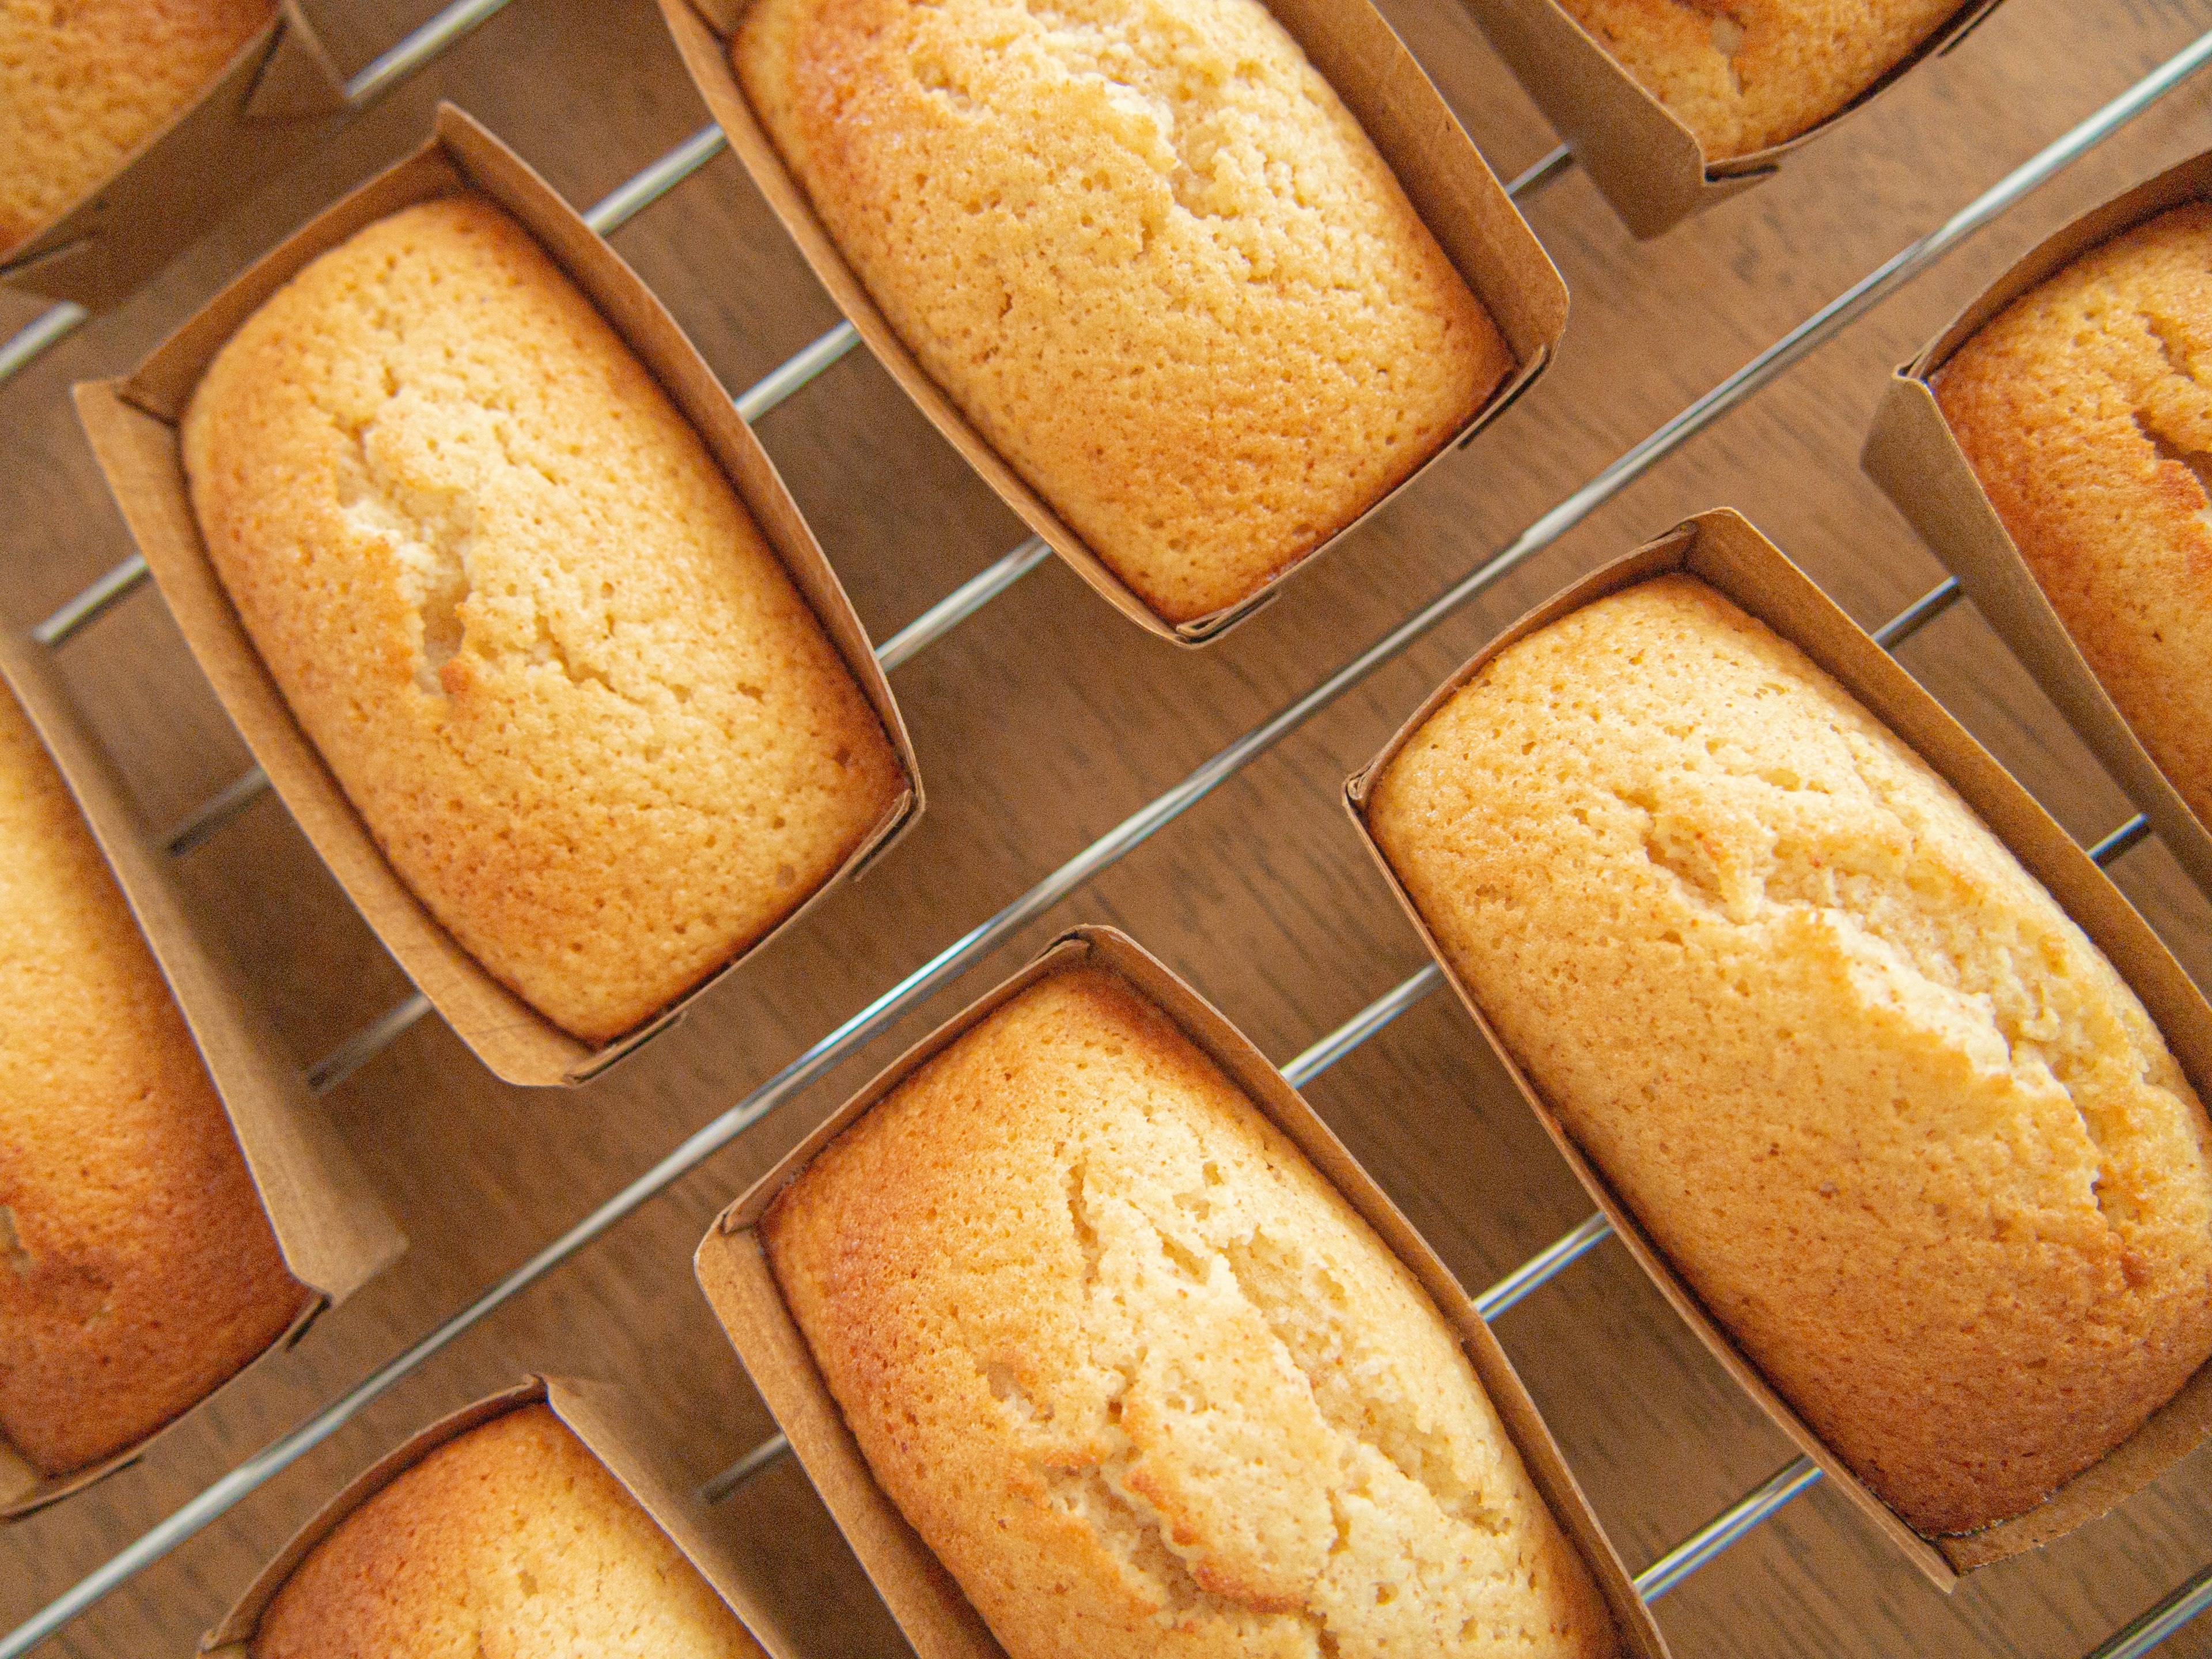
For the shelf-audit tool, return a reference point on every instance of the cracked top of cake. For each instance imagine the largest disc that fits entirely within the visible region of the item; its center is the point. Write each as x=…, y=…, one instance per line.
x=1746, y=75
x=1146, y=251
x=2085, y=409
x=1141, y=1378
x=511, y=597
x=1886, y=1109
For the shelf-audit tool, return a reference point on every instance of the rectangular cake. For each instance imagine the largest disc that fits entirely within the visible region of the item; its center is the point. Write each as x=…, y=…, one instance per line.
x=1892, y=1117
x=2080, y=411
x=525, y=618
x=139, y=1270
x=1148, y=254
x=1141, y=1376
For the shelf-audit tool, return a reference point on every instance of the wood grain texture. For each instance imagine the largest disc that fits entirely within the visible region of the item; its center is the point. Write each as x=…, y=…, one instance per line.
x=1041, y=724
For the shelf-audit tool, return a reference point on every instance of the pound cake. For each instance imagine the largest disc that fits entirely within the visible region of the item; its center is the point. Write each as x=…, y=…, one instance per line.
x=510, y=1541
x=1148, y=253
x=1142, y=1378
x=1749, y=74
x=2081, y=409
x=1890, y=1114
x=84, y=82
x=522, y=613
x=137, y=1269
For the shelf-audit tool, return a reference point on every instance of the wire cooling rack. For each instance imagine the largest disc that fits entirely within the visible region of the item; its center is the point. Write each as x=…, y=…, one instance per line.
x=641, y=191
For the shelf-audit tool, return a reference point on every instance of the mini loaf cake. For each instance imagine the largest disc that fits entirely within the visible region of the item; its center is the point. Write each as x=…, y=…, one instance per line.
x=1148, y=253
x=2085, y=409
x=1744, y=75
x=510, y=1541
x=1897, y=1122
x=1142, y=1378
x=137, y=1270
x=83, y=84
x=512, y=598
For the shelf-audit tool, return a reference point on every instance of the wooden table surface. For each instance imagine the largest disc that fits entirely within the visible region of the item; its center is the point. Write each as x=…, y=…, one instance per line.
x=1041, y=724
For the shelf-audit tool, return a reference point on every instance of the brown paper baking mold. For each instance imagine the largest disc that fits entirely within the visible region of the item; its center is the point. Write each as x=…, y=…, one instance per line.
x=1450, y=186
x=936, y=1617
x=1721, y=548
x=1912, y=453
x=132, y=424
x=1647, y=164
x=278, y=96
x=332, y=1232
x=613, y=1430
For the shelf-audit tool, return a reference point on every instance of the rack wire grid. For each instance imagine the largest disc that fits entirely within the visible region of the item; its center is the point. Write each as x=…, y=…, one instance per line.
x=649, y=185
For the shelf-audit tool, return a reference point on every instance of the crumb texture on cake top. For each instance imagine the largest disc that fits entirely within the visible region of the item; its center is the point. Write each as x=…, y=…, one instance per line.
x=510, y=1541
x=1142, y=1378
x=507, y=592
x=84, y=82
x=137, y=1268
x=2085, y=409
x=1146, y=251
x=1891, y=1114
x=1746, y=74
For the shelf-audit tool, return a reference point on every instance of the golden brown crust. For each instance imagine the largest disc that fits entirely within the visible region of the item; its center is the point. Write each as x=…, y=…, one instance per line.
x=1885, y=1108
x=1745, y=75
x=519, y=609
x=85, y=83
x=511, y=1540
x=2081, y=410
x=137, y=1269
x=1149, y=254
x=1142, y=1378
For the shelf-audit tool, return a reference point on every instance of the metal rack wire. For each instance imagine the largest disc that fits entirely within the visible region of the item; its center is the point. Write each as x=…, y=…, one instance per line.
x=2139, y=1637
